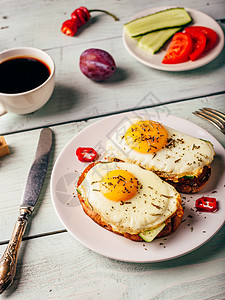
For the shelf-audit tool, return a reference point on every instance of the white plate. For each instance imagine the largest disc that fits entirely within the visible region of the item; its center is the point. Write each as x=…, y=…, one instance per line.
x=155, y=61
x=192, y=233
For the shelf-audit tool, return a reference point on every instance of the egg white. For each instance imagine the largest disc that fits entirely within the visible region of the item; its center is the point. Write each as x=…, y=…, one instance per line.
x=154, y=202
x=183, y=154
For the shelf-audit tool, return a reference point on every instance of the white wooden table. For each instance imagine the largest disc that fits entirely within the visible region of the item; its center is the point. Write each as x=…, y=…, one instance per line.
x=52, y=264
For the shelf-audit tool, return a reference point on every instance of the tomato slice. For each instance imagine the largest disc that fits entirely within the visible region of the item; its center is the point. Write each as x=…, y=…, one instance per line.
x=199, y=43
x=179, y=50
x=211, y=35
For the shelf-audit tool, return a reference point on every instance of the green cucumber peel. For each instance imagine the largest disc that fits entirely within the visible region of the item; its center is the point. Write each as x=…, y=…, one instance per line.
x=188, y=176
x=79, y=192
x=170, y=18
x=205, y=141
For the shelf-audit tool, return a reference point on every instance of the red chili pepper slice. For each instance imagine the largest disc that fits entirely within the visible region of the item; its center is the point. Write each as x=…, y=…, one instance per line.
x=206, y=204
x=86, y=154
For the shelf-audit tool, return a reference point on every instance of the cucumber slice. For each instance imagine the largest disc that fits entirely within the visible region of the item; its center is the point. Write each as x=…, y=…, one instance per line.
x=149, y=235
x=173, y=17
x=152, y=42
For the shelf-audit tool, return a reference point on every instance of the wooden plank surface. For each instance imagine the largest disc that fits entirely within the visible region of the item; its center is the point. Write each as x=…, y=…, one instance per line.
x=43, y=18
x=132, y=86
x=59, y=267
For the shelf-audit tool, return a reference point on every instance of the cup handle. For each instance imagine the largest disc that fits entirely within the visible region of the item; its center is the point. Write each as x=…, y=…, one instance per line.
x=2, y=109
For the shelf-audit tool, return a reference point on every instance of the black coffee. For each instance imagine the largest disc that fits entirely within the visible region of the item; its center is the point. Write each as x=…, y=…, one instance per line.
x=22, y=74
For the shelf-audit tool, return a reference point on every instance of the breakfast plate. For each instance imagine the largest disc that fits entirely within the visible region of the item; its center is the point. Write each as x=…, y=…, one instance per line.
x=196, y=229
x=155, y=61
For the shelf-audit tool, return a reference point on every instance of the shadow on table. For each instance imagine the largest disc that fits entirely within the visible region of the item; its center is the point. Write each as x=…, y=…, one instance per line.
x=63, y=98
x=205, y=253
x=217, y=63
x=119, y=76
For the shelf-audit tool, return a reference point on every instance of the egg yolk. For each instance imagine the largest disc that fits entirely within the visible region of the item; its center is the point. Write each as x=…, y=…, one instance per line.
x=119, y=185
x=146, y=136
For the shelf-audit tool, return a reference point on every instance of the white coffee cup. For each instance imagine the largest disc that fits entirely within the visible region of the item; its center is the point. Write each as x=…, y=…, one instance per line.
x=32, y=100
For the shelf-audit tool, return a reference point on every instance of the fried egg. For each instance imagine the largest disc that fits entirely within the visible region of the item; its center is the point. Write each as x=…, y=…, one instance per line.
x=166, y=151
x=129, y=198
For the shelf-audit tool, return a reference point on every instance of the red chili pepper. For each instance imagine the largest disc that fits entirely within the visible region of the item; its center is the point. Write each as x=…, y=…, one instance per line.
x=206, y=204
x=86, y=154
x=78, y=18
x=82, y=14
x=69, y=27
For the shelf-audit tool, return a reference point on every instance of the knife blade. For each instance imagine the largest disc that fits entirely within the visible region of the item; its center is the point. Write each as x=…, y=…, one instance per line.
x=38, y=170
x=30, y=196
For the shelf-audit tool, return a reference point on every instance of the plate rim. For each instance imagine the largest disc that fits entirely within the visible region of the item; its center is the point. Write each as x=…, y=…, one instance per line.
x=175, y=67
x=85, y=243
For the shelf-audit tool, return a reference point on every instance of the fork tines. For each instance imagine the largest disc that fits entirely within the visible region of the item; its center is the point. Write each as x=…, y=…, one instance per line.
x=214, y=116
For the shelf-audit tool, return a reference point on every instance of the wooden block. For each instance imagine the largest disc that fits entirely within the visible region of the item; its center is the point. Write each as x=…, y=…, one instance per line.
x=4, y=149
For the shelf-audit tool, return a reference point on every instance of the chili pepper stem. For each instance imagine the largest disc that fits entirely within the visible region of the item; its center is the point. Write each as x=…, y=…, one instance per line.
x=106, y=12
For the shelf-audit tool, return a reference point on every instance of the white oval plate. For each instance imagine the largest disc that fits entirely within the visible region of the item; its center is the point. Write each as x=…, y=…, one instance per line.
x=192, y=233
x=155, y=61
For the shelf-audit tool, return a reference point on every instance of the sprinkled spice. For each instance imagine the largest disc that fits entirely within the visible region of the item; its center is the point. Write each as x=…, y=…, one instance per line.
x=166, y=196
x=195, y=147
x=158, y=207
x=177, y=160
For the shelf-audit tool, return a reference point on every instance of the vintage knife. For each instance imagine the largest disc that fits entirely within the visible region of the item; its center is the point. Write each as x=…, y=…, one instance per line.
x=30, y=196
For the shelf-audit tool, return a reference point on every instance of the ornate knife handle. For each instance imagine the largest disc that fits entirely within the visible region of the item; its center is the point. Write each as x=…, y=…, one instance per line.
x=9, y=259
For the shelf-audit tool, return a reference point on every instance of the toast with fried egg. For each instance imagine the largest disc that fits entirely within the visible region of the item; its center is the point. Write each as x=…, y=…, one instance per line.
x=128, y=200
x=182, y=160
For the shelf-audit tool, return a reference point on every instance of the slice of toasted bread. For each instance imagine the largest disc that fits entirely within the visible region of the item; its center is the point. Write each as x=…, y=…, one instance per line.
x=171, y=224
x=4, y=149
x=192, y=185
